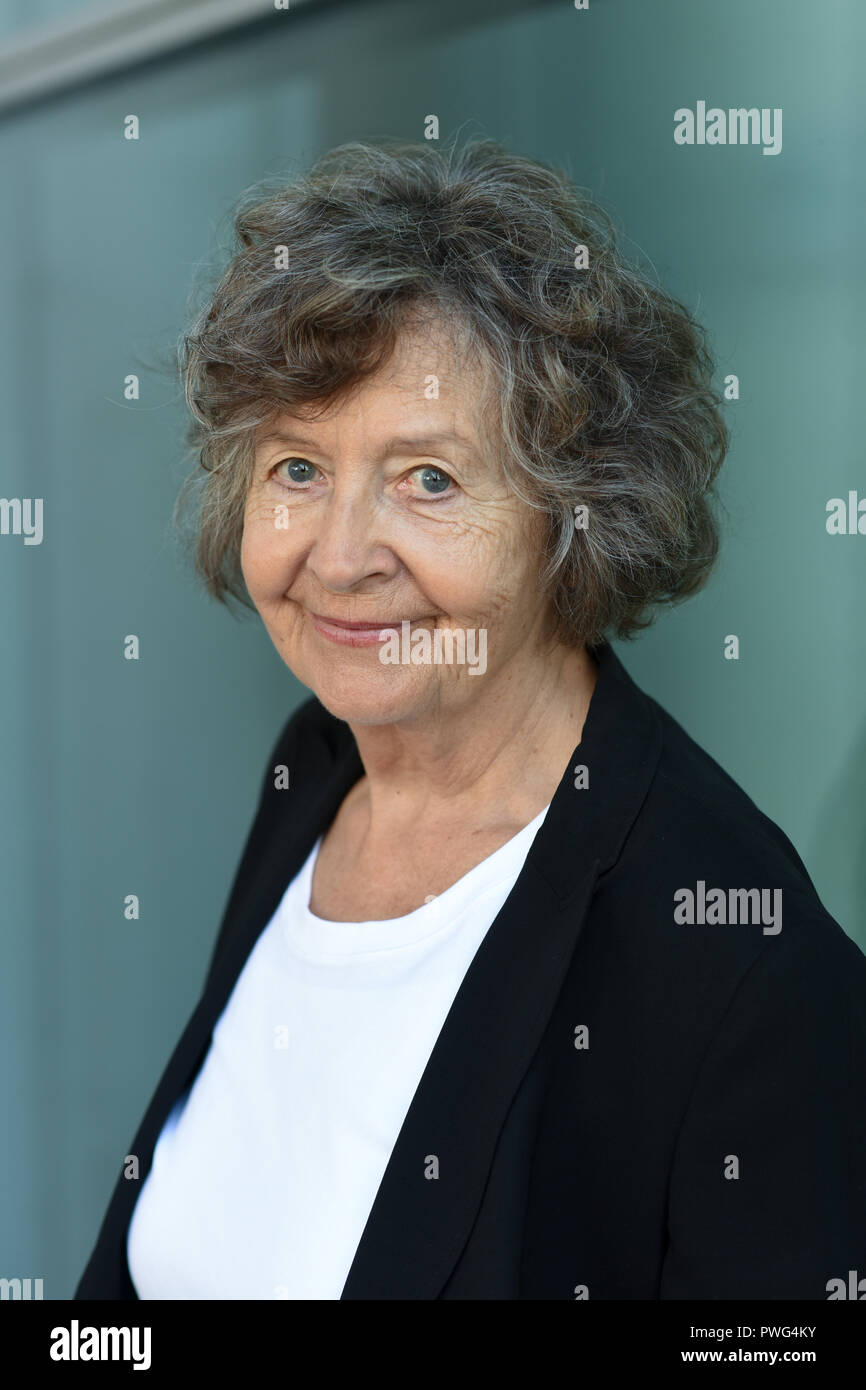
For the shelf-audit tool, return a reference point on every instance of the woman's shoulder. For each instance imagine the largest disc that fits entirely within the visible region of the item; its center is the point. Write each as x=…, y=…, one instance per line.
x=713, y=865
x=697, y=796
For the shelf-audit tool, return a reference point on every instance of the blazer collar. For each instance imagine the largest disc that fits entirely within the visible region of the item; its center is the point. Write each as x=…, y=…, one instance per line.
x=620, y=747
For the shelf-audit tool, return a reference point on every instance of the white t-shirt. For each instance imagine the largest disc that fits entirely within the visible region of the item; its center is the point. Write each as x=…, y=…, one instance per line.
x=265, y=1172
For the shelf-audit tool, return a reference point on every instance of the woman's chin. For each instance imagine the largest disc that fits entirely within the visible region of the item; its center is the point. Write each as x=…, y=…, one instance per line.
x=377, y=697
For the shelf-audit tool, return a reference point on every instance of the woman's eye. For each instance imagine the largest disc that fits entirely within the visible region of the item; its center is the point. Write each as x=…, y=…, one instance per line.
x=428, y=481
x=432, y=481
x=297, y=470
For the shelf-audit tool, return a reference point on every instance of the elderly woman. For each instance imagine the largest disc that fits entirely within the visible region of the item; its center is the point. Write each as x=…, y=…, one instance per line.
x=517, y=994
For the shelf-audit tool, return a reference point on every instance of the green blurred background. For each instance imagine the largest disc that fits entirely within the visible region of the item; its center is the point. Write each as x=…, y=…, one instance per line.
x=140, y=777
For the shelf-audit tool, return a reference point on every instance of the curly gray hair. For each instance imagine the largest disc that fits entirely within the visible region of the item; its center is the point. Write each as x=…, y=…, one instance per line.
x=604, y=380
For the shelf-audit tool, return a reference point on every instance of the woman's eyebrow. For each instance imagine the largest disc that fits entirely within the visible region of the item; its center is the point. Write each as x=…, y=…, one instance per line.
x=426, y=441
x=283, y=437
x=420, y=442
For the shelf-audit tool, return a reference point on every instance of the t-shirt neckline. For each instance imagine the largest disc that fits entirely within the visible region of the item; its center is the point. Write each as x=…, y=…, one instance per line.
x=318, y=937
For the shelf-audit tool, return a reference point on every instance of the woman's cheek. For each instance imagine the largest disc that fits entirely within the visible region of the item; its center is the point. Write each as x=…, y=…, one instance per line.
x=265, y=547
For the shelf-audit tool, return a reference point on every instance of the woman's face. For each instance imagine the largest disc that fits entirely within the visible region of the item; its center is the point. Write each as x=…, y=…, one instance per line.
x=392, y=508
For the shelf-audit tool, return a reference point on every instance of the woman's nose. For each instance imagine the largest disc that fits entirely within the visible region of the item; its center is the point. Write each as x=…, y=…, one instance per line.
x=349, y=543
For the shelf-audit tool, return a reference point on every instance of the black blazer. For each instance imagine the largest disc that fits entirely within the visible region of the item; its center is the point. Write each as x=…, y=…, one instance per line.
x=605, y=1070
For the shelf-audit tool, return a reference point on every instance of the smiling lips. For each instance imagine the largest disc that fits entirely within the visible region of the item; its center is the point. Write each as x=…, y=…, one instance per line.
x=348, y=634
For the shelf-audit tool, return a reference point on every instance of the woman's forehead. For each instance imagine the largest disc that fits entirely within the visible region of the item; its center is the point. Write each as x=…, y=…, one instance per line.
x=431, y=390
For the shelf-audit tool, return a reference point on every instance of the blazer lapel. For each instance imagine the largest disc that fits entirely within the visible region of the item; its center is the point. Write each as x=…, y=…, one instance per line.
x=417, y=1226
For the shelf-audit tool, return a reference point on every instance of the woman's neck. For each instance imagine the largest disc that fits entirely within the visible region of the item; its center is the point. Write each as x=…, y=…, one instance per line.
x=500, y=754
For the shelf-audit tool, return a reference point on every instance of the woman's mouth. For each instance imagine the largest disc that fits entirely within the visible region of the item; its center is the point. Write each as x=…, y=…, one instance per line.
x=356, y=634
